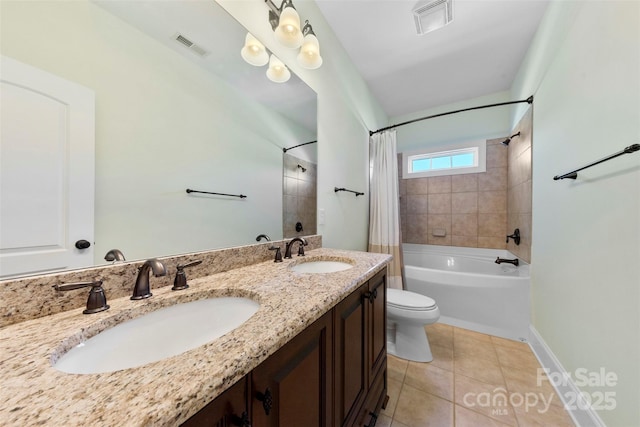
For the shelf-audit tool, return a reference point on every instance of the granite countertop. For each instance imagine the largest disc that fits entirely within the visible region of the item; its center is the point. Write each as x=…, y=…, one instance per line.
x=169, y=391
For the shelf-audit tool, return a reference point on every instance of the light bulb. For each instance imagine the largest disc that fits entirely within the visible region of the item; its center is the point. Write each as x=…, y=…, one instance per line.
x=288, y=32
x=309, y=56
x=277, y=71
x=254, y=52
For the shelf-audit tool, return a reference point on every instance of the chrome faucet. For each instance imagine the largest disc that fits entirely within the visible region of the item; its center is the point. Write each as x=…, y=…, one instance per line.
x=142, y=289
x=303, y=242
x=508, y=261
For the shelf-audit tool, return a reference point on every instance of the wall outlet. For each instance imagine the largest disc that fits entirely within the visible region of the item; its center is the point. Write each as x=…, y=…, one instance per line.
x=321, y=216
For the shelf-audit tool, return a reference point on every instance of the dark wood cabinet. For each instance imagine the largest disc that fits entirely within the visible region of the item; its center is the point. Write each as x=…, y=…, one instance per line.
x=294, y=386
x=229, y=409
x=351, y=343
x=334, y=373
x=373, y=354
x=377, y=323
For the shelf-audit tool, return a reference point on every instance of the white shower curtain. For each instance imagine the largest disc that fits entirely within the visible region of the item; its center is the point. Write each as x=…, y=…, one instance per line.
x=384, y=210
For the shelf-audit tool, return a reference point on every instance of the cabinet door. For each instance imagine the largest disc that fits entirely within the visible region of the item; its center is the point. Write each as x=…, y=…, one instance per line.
x=378, y=324
x=350, y=338
x=294, y=386
x=228, y=409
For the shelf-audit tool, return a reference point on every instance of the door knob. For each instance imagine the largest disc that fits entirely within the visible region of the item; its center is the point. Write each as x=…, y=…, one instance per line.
x=82, y=244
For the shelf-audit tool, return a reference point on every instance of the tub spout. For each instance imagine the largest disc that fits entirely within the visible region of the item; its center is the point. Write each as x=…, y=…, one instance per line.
x=508, y=261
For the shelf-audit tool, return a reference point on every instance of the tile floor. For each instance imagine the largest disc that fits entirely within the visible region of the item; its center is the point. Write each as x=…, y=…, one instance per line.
x=474, y=380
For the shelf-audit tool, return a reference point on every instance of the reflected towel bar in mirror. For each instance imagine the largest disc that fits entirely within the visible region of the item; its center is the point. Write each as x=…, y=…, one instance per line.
x=357, y=193
x=241, y=196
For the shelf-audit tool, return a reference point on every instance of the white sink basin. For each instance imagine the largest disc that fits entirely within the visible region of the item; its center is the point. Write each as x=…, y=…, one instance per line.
x=321, y=267
x=155, y=336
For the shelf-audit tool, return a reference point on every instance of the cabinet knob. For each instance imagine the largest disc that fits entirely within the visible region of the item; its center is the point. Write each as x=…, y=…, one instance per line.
x=371, y=295
x=267, y=400
x=242, y=421
x=373, y=421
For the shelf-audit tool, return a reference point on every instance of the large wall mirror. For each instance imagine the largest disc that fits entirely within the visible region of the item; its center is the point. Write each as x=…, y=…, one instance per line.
x=169, y=117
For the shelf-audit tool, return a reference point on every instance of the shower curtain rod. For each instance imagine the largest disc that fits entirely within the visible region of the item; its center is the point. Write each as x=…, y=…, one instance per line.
x=529, y=100
x=284, y=150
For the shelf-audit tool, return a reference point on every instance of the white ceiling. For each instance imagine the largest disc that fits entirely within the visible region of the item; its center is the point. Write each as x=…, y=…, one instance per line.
x=477, y=54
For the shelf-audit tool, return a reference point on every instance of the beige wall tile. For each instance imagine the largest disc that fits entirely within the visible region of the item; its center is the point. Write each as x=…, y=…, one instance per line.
x=496, y=156
x=417, y=228
x=492, y=201
x=441, y=241
x=464, y=203
x=464, y=241
x=439, y=222
x=417, y=185
x=464, y=225
x=416, y=204
x=439, y=203
x=493, y=224
x=493, y=179
x=439, y=184
x=492, y=242
x=464, y=183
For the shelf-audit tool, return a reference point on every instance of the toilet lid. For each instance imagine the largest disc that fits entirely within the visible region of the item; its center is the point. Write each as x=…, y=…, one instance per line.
x=409, y=300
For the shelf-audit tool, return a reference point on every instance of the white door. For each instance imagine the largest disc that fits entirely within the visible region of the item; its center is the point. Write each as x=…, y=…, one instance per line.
x=46, y=171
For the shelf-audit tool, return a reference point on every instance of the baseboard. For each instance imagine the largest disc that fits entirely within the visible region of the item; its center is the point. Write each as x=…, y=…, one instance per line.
x=587, y=417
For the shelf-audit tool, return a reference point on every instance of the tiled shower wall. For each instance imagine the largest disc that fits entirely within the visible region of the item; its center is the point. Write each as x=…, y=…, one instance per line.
x=519, y=188
x=470, y=208
x=299, y=196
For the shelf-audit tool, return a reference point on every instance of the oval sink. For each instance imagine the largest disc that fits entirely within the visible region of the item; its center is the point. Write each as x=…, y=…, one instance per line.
x=320, y=266
x=157, y=335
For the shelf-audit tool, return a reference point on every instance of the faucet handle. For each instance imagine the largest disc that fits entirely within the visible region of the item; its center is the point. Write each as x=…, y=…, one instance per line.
x=278, y=253
x=180, y=282
x=97, y=300
x=301, y=246
x=301, y=250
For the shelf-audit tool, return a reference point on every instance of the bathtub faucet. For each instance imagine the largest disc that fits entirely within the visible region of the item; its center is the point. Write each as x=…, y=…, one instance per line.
x=508, y=261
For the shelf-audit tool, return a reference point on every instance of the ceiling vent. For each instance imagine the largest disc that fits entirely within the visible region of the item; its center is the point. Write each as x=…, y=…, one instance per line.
x=432, y=15
x=198, y=50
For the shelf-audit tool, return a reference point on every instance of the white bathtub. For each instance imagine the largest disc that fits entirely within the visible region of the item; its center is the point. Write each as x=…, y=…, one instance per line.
x=471, y=290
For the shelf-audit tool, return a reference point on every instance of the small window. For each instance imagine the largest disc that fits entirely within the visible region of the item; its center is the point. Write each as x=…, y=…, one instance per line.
x=450, y=160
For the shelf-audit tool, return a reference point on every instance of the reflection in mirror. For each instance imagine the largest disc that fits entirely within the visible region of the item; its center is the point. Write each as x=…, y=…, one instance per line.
x=170, y=117
x=300, y=173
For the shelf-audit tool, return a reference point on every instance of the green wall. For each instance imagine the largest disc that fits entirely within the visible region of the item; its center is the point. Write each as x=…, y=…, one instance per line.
x=584, y=70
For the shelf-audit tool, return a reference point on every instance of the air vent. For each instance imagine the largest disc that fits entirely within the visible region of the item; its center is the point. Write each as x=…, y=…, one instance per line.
x=432, y=15
x=198, y=50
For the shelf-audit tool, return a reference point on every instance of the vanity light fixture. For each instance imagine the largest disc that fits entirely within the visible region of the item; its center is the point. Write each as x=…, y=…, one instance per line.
x=288, y=31
x=254, y=52
x=309, y=55
x=285, y=23
x=277, y=71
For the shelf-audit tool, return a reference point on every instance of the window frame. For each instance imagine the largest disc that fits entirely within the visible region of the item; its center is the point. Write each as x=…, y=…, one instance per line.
x=479, y=147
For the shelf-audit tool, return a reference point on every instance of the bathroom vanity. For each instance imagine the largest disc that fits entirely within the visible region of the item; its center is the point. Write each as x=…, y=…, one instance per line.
x=313, y=354
x=331, y=374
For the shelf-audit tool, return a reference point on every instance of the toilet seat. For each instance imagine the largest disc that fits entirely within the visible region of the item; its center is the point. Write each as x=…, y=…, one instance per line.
x=407, y=300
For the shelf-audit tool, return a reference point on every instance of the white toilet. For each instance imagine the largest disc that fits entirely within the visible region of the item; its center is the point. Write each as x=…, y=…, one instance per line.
x=407, y=315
